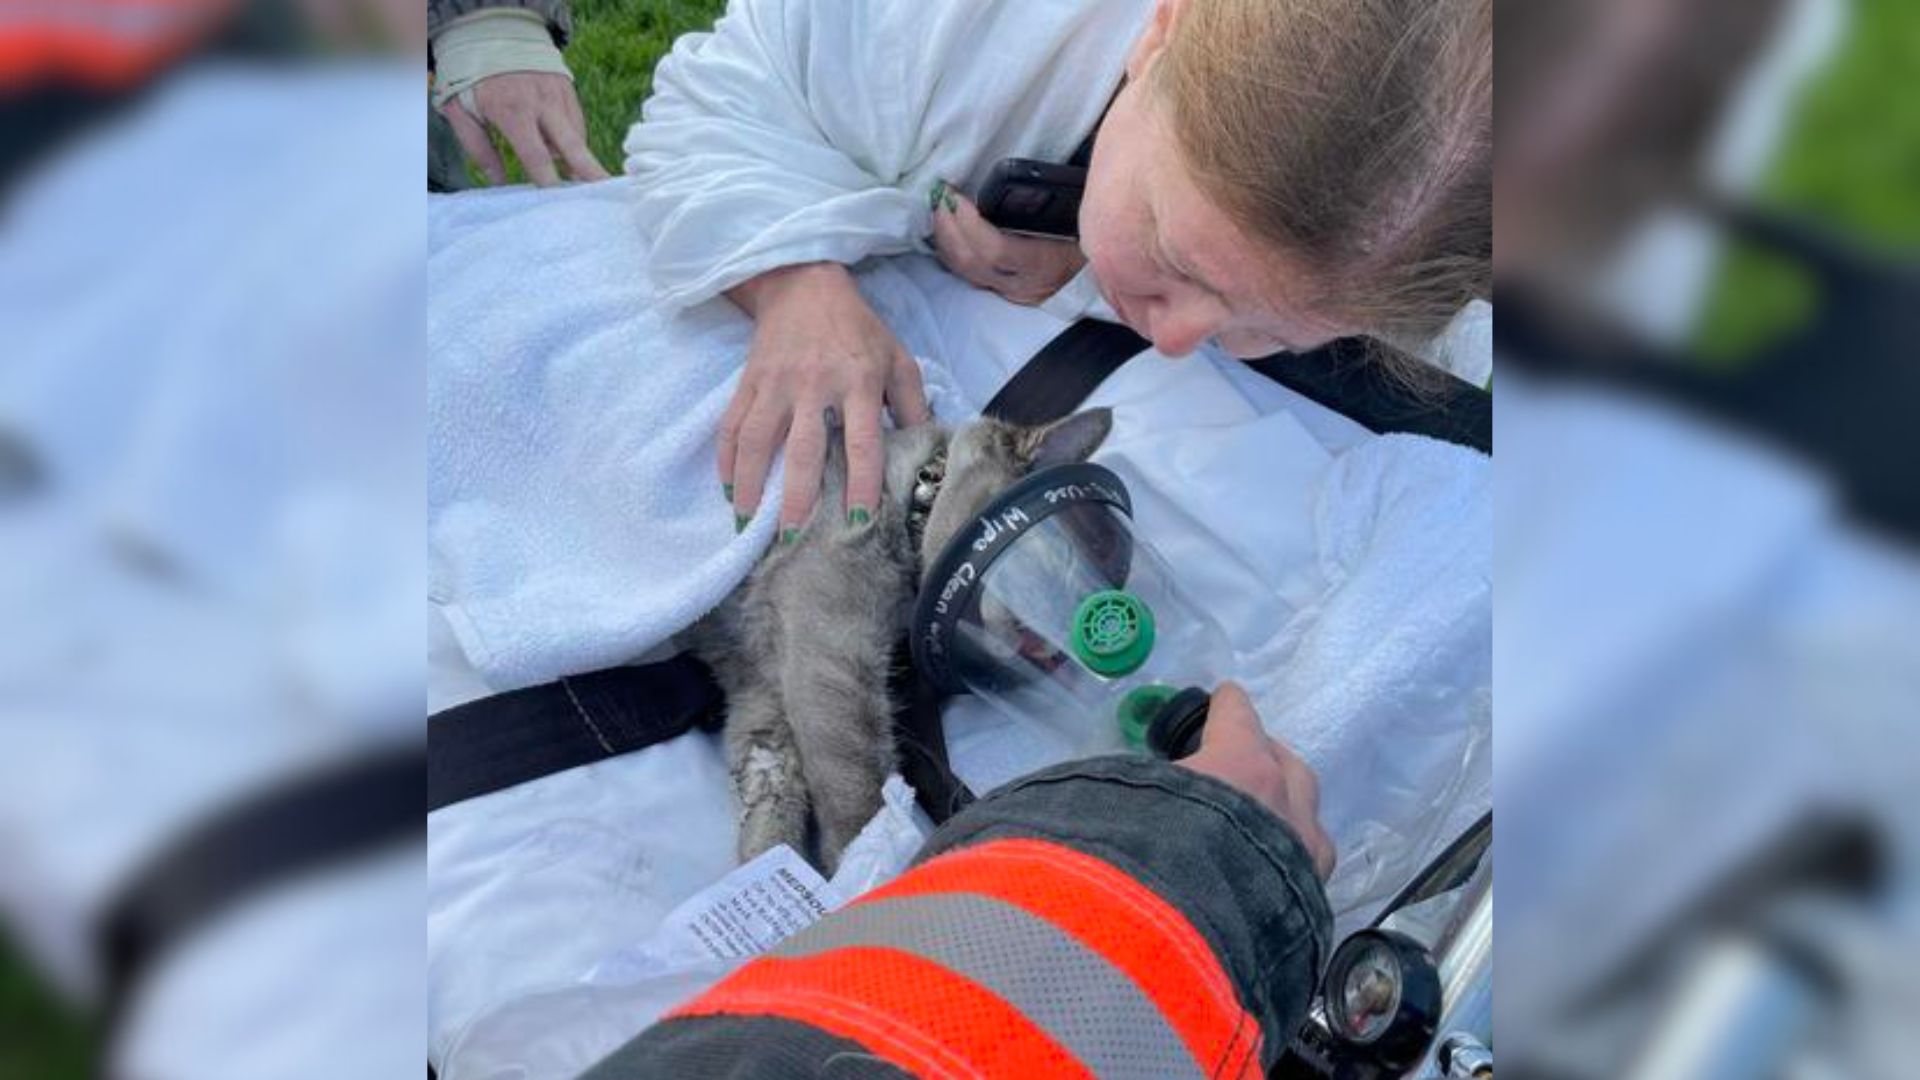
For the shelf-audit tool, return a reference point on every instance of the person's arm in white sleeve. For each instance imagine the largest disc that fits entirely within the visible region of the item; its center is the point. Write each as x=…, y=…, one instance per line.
x=802, y=136
x=775, y=152
x=784, y=137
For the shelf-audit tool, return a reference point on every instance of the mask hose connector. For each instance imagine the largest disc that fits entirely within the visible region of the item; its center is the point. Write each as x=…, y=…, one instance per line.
x=1175, y=731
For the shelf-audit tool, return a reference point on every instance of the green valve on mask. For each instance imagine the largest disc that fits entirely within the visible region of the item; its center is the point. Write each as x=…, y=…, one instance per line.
x=1137, y=710
x=1112, y=632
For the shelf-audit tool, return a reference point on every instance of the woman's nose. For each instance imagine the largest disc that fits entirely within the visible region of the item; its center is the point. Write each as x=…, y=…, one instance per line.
x=1177, y=327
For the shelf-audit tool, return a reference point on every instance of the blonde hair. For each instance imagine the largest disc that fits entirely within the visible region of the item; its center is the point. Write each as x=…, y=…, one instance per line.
x=1353, y=134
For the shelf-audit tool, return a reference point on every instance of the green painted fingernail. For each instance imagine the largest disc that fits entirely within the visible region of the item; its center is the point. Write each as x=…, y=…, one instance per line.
x=939, y=189
x=728, y=488
x=740, y=523
x=789, y=534
x=858, y=516
x=953, y=204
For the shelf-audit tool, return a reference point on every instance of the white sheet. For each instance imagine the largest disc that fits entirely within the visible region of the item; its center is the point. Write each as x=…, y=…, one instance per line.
x=1350, y=570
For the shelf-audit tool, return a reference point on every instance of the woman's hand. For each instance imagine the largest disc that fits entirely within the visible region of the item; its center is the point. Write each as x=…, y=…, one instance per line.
x=1234, y=748
x=1024, y=269
x=816, y=344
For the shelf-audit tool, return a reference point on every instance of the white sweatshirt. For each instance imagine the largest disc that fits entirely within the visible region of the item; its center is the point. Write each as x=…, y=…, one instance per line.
x=803, y=131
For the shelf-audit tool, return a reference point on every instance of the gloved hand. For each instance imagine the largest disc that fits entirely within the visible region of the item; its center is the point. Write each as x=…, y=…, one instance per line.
x=538, y=113
x=1235, y=749
x=499, y=68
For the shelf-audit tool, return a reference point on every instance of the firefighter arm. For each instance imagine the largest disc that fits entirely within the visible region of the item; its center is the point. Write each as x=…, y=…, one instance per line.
x=1105, y=917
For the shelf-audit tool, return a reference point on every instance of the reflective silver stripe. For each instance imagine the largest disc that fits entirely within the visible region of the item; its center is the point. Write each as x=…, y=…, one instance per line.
x=1067, y=990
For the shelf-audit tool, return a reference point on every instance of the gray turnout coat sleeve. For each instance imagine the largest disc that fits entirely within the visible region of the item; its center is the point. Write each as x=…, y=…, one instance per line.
x=1042, y=901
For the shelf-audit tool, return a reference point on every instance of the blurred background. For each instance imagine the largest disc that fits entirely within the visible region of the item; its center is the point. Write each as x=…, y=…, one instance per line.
x=1849, y=157
x=211, y=511
x=1708, y=628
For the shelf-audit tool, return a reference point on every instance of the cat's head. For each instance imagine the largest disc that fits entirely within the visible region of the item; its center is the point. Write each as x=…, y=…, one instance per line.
x=987, y=456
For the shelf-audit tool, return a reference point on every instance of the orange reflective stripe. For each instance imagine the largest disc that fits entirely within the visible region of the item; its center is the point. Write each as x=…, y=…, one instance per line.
x=914, y=1014
x=107, y=44
x=1117, y=917
x=30, y=56
x=1074, y=995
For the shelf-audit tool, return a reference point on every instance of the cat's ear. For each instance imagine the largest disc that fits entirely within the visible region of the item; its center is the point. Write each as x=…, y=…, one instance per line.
x=1073, y=439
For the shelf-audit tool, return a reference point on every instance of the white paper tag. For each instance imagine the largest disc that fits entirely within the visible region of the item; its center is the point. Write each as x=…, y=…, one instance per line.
x=744, y=914
x=754, y=908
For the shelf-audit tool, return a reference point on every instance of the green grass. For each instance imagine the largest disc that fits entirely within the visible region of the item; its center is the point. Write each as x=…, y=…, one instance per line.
x=1851, y=159
x=39, y=1037
x=615, y=45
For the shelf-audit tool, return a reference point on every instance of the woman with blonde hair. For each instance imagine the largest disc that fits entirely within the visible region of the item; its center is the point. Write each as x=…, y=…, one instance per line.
x=1265, y=174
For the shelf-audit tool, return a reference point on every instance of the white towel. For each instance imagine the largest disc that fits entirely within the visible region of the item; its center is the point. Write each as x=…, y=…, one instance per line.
x=575, y=518
x=575, y=515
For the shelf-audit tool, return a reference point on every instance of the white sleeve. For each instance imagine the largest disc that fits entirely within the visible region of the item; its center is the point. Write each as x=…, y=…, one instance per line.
x=812, y=130
x=779, y=139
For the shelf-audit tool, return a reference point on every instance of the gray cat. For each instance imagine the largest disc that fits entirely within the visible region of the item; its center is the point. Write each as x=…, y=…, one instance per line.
x=802, y=647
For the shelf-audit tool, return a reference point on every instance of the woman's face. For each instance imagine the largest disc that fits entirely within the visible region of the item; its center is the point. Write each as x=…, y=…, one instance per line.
x=1171, y=263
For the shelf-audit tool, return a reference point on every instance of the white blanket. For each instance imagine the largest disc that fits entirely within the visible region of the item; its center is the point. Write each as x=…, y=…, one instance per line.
x=570, y=428
x=575, y=516
x=575, y=521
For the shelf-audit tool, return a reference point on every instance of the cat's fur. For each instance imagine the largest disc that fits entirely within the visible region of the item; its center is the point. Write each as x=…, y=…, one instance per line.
x=802, y=647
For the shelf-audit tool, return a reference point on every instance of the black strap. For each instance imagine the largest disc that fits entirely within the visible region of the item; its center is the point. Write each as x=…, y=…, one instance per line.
x=343, y=810
x=1082, y=155
x=1343, y=376
x=920, y=741
x=496, y=742
x=1065, y=372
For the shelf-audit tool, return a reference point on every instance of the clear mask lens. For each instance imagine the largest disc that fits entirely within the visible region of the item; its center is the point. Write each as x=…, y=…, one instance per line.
x=1076, y=625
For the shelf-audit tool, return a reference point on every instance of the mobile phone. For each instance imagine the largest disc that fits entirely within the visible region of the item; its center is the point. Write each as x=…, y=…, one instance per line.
x=1035, y=197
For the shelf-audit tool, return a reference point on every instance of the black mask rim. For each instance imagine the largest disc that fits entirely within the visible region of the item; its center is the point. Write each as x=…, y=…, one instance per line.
x=947, y=594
